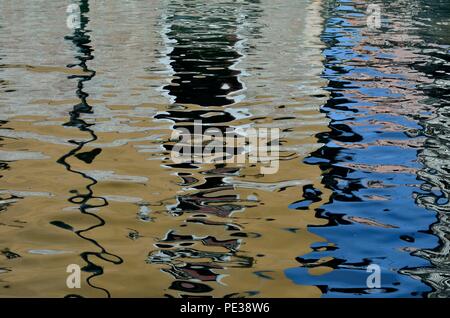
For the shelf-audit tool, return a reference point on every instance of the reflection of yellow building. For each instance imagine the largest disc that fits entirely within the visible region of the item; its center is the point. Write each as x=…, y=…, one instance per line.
x=247, y=234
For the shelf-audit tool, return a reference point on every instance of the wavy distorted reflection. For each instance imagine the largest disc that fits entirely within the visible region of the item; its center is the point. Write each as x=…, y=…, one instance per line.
x=225, y=216
x=90, y=174
x=369, y=160
x=85, y=199
x=434, y=191
x=202, y=57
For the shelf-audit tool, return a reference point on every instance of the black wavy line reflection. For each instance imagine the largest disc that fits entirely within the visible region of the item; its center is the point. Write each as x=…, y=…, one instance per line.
x=81, y=40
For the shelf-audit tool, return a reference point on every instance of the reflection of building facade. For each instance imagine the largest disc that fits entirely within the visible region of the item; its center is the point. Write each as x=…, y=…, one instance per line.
x=373, y=75
x=211, y=230
x=222, y=239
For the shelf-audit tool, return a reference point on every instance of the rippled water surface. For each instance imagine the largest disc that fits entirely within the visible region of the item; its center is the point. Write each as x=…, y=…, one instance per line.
x=86, y=123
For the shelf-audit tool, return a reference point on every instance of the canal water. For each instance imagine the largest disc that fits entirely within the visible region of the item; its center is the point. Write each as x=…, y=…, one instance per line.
x=87, y=116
